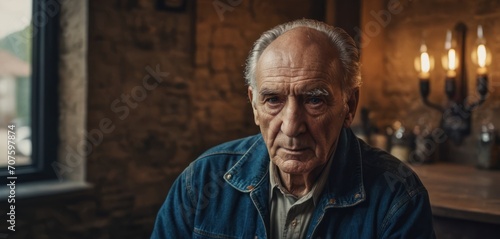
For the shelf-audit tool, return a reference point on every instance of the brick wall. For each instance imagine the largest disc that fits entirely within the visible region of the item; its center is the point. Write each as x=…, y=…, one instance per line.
x=168, y=85
x=224, y=35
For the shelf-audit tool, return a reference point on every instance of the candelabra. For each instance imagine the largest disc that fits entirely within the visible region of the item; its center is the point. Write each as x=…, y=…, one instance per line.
x=456, y=120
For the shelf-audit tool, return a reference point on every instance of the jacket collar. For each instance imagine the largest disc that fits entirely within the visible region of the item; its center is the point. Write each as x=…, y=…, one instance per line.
x=251, y=170
x=345, y=184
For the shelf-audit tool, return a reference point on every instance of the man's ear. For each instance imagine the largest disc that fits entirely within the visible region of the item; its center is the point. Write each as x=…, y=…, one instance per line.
x=254, y=106
x=352, y=104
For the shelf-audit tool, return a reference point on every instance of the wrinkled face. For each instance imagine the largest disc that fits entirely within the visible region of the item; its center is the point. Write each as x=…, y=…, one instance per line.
x=298, y=102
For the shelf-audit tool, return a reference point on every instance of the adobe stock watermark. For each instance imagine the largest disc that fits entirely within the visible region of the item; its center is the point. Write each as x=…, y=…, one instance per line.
x=427, y=146
x=202, y=196
x=222, y=6
x=121, y=107
x=404, y=175
x=382, y=19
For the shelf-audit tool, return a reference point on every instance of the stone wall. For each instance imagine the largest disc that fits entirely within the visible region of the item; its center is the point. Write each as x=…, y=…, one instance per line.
x=394, y=41
x=225, y=32
x=162, y=87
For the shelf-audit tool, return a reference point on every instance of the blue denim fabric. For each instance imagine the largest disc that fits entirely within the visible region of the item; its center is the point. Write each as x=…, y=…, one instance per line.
x=225, y=194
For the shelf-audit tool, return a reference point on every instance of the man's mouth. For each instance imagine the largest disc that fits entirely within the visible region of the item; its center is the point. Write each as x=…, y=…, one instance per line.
x=294, y=150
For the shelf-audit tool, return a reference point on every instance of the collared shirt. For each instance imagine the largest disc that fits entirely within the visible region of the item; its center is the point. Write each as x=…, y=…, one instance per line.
x=291, y=215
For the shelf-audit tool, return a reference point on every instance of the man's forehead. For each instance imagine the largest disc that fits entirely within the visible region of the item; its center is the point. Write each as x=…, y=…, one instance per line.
x=312, y=75
x=303, y=88
x=303, y=36
x=300, y=44
x=300, y=52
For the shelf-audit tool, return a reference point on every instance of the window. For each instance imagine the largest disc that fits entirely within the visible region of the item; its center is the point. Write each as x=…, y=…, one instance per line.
x=28, y=86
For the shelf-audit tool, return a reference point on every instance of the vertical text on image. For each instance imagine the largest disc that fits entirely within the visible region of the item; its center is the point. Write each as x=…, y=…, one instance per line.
x=11, y=162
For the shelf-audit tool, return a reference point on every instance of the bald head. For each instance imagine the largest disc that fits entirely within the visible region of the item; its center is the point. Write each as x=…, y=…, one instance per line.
x=312, y=41
x=302, y=40
x=300, y=47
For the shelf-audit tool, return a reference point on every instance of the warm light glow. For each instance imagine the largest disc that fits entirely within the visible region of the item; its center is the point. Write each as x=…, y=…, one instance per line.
x=452, y=65
x=425, y=63
x=481, y=55
x=449, y=59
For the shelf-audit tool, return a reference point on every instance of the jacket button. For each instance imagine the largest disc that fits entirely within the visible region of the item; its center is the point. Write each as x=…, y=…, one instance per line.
x=294, y=223
x=357, y=195
x=332, y=201
x=228, y=176
x=250, y=187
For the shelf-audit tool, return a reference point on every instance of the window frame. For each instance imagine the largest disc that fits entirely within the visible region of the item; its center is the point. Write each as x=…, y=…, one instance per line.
x=44, y=94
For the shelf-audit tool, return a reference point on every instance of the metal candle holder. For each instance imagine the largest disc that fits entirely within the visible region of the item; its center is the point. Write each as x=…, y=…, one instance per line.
x=456, y=121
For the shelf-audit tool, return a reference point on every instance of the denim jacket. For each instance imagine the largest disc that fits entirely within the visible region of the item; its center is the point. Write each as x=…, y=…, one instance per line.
x=225, y=194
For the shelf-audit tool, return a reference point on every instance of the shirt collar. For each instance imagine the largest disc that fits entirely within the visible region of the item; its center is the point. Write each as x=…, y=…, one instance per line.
x=275, y=181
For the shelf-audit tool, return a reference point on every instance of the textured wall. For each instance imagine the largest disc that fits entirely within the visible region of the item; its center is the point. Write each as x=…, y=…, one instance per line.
x=223, y=40
x=72, y=88
x=395, y=41
x=162, y=88
x=140, y=74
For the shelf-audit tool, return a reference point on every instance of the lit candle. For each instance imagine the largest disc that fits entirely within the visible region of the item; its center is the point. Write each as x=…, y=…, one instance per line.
x=450, y=64
x=482, y=58
x=481, y=52
x=425, y=63
x=451, y=55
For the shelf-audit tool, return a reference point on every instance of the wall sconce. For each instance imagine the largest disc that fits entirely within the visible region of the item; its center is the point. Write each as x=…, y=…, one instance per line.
x=456, y=121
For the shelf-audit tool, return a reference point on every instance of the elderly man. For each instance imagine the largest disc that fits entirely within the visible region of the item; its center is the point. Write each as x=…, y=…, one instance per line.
x=306, y=175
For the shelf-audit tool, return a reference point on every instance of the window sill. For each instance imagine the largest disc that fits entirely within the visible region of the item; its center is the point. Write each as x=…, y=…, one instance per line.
x=38, y=190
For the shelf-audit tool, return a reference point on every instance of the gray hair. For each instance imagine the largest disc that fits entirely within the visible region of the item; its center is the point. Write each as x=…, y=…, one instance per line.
x=348, y=52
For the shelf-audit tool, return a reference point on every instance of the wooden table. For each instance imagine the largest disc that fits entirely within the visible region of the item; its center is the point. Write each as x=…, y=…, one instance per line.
x=462, y=192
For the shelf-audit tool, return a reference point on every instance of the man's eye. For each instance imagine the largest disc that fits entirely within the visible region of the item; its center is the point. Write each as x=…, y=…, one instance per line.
x=314, y=100
x=272, y=100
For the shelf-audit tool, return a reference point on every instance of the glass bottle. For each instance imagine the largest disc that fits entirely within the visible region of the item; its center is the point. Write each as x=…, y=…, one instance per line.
x=487, y=147
x=400, y=147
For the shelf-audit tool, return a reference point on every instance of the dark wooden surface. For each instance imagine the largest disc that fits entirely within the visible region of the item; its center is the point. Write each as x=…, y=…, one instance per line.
x=462, y=191
x=451, y=228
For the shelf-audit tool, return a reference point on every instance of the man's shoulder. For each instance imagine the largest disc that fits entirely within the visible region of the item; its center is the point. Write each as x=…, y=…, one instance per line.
x=233, y=147
x=380, y=166
x=213, y=164
x=227, y=154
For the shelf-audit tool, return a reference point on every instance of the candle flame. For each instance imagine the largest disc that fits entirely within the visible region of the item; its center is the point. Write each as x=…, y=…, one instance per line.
x=481, y=55
x=425, y=62
x=451, y=59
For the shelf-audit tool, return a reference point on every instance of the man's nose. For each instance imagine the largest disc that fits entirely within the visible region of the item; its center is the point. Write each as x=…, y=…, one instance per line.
x=293, y=119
